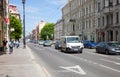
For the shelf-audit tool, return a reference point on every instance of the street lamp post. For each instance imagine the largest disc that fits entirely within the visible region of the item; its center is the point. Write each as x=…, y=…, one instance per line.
x=24, y=42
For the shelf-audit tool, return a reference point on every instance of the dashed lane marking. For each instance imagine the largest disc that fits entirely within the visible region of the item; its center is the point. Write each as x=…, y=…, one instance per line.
x=109, y=68
x=110, y=61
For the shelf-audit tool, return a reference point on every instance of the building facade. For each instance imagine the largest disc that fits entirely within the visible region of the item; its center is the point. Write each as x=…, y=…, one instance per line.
x=108, y=20
x=33, y=34
x=3, y=14
x=14, y=11
x=39, y=27
x=58, y=29
x=80, y=19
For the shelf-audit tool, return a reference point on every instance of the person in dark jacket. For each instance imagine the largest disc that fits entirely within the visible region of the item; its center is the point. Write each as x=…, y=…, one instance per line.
x=4, y=45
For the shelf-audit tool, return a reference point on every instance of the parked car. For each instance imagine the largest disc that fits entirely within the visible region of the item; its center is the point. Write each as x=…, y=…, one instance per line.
x=57, y=45
x=89, y=44
x=112, y=47
x=35, y=41
x=41, y=42
x=47, y=43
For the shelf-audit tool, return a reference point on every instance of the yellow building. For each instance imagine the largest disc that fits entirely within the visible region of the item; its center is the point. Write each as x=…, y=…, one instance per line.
x=39, y=27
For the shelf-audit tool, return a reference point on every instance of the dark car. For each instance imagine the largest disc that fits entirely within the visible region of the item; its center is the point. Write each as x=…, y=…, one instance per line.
x=89, y=44
x=57, y=45
x=47, y=43
x=112, y=47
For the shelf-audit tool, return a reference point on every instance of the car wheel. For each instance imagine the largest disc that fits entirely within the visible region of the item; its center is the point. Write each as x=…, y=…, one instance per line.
x=107, y=52
x=80, y=52
x=61, y=50
x=89, y=47
x=97, y=51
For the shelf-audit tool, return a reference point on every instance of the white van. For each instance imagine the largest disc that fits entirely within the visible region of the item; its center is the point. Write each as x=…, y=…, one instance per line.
x=71, y=44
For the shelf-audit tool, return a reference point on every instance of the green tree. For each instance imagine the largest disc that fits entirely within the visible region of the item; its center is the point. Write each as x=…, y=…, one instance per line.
x=17, y=26
x=47, y=31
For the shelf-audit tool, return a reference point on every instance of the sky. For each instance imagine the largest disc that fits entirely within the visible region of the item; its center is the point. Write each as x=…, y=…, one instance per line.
x=37, y=10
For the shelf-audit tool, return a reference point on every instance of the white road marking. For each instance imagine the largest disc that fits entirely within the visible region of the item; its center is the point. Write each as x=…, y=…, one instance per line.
x=118, y=58
x=75, y=69
x=110, y=61
x=42, y=70
x=46, y=72
x=97, y=64
x=109, y=68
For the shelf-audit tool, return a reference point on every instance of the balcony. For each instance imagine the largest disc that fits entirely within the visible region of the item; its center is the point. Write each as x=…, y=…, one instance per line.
x=107, y=10
x=72, y=33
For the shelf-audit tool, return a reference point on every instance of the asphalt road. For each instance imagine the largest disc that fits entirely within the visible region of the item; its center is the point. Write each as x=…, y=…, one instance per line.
x=87, y=64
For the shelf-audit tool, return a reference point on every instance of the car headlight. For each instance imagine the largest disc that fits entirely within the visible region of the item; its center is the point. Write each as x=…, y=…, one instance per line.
x=112, y=49
x=69, y=46
x=81, y=46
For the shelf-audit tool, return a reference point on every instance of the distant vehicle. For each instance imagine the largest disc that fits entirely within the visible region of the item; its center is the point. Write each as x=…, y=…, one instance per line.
x=71, y=44
x=53, y=42
x=89, y=44
x=41, y=42
x=35, y=41
x=47, y=43
x=57, y=45
x=112, y=47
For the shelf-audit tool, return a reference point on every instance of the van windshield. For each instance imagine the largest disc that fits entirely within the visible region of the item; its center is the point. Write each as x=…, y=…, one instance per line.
x=73, y=40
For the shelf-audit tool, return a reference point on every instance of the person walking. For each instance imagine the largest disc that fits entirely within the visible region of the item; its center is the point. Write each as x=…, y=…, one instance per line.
x=17, y=43
x=4, y=45
x=11, y=45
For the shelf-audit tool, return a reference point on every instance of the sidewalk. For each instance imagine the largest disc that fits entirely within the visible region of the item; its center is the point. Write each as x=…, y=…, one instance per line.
x=20, y=64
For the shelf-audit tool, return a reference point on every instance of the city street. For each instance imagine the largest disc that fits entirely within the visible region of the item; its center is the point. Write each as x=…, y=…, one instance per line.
x=87, y=64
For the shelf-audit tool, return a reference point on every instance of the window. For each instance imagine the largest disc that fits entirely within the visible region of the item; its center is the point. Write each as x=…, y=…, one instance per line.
x=98, y=22
x=103, y=3
x=107, y=19
x=116, y=35
x=98, y=7
x=103, y=21
x=111, y=22
x=89, y=23
x=117, y=2
x=73, y=27
x=117, y=17
x=0, y=2
x=83, y=25
x=86, y=10
x=90, y=9
x=110, y=3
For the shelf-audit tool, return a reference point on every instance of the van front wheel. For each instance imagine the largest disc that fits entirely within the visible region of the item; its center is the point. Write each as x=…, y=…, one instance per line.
x=80, y=52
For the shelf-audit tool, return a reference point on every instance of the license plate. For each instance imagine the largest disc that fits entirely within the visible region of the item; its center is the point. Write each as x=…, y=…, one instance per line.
x=75, y=49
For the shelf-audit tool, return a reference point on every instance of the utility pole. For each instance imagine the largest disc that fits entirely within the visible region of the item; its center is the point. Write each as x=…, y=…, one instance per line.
x=24, y=41
x=7, y=21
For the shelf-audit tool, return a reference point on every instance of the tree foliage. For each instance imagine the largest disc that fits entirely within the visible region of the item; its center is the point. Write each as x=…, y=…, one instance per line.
x=17, y=26
x=47, y=31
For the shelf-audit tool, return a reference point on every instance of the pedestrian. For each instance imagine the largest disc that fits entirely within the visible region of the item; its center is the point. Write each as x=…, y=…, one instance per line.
x=17, y=43
x=11, y=45
x=4, y=45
